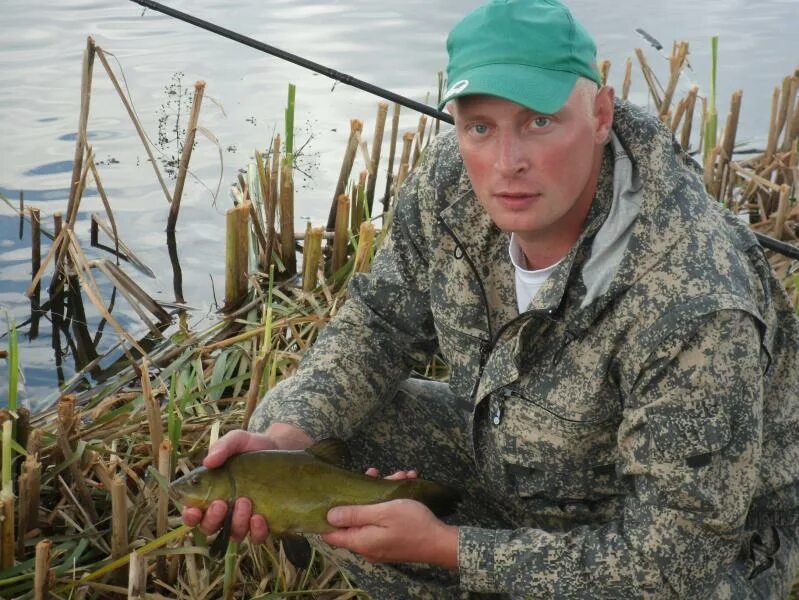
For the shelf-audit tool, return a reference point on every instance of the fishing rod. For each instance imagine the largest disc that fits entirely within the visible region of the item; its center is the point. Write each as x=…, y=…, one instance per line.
x=765, y=241
x=298, y=60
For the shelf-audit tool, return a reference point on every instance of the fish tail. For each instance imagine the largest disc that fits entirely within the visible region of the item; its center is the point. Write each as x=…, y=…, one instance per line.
x=441, y=499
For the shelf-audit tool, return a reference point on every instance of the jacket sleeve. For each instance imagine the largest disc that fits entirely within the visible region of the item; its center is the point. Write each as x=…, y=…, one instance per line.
x=690, y=442
x=383, y=329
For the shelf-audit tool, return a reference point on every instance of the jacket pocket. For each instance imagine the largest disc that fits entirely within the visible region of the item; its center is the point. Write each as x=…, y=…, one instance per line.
x=679, y=434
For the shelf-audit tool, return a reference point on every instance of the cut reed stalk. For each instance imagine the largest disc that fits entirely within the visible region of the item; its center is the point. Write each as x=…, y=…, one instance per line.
x=42, y=571
x=358, y=202
x=366, y=238
x=786, y=100
x=287, y=250
x=312, y=254
x=7, y=503
x=119, y=517
x=137, y=576
x=161, y=523
x=604, y=71
x=690, y=103
x=29, y=492
x=783, y=212
x=649, y=77
x=236, y=256
x=417, y=149
x=80, y=139
x=185, y=155
x=377, y=145
x=792, y=116
x=676, y=63
x=678, y=115
x=341, y=239
x=628, y=72
x=57, y=223
x=153, y=409
x=356, y=126
x=404, y=165
x=731, y=127
x=391, y=153
x=36, y=250
x=711, y=118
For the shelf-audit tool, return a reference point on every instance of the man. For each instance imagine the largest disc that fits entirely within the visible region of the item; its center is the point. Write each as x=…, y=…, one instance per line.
x=623, y=403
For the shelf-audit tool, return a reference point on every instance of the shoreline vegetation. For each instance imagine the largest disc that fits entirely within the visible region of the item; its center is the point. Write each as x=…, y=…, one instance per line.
x=84, y=510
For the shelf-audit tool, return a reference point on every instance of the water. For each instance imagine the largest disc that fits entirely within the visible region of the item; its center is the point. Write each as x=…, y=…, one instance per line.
x=396, y=45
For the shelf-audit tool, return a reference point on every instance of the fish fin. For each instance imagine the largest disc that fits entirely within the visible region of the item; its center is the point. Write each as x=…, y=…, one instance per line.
x=330, y=450
x=296, y=548
x=441, y=499
x=220, y=544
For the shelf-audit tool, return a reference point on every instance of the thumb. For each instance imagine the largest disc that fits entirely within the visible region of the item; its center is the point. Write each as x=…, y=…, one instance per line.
x=235, y=442
x=351, y=516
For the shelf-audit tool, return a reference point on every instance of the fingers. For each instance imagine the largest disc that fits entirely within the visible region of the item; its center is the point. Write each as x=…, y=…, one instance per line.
x=235, y=442
x=355, y=516
x=192, y=516
x=214, y=517
x=399, y=475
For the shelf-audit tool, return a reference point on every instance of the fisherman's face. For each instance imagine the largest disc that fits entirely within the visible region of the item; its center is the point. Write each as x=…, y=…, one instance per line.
x=535, y=174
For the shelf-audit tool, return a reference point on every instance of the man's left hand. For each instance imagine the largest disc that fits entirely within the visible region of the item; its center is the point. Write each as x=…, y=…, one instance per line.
x=395, y=531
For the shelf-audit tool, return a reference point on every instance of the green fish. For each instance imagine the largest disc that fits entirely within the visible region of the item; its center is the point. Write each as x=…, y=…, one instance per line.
x=295, y=489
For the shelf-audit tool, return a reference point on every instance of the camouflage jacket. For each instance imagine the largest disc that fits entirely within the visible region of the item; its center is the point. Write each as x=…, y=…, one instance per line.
x=636, y=436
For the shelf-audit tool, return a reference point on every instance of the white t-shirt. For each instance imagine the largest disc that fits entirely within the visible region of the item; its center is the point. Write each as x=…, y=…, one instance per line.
x=527, y=282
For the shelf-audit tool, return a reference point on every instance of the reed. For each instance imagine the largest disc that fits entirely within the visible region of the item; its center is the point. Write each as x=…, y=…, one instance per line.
x=391, y=153
x=236, y=256
x=711, y=118
x=342, y=235
x=356, y=126
x=625, y=86
x=312, y=253
x=42, y=570
x=287, y=251
x=185, y=155
x=377, y=145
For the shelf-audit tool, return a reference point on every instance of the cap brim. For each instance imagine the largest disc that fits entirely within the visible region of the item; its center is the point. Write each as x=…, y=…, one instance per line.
x=541, y=90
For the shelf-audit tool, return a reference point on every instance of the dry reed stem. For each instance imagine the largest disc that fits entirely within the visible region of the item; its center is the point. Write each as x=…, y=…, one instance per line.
x=253, y=391
x=366, y=238
x=604, y=71
x=132, y=290
x=119, y=517
x=72, y=210
x=7, y=501
x=786, y=100
x=36, y=246
x=358, y=202
x=783, y=211
x=365, y=156
x=417, y=149
x=690, y=103
x=271, y=206
x=678, y=115
x=265, y=187
x=89, y=286
x=377, y=145
x=29, y=494
x=649, y=77
x=153, y=408
x=101, y=190
x=789, y=140
x=67, y=428
x=185, y=155
x=42, y=572
x=137, y=576
x=59, y=239
x=391, y=153
x=312, y=253
x=628, y=71
x=136, y=124
x=287, y=249
x=80, y=139
x=259, y=231
x=731, y=127
x=676, y=63
x=356, y=126
x=404, y=166
x=161, y=523
x=236, y=256
x=342, y=239
x=771, y=145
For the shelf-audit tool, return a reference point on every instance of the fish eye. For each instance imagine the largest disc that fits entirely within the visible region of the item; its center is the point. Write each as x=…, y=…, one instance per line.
x=195, y=481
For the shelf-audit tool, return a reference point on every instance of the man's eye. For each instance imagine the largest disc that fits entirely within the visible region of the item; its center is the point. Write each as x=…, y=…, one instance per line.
x=480, y=128
x=540, y=122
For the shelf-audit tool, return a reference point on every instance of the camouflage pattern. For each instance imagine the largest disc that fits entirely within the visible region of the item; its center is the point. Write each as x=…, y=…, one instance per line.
x=638, y=446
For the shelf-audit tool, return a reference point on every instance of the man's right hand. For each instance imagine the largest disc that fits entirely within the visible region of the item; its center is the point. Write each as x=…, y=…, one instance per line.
x=279, y=436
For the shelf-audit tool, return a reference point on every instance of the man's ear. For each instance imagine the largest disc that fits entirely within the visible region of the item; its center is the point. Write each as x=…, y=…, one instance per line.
x=603, y=111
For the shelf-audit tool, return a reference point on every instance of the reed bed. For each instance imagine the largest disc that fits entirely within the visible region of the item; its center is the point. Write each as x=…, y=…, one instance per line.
x=85, y=512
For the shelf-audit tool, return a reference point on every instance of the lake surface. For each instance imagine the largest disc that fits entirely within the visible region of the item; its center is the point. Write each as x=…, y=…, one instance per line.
x=396, y=45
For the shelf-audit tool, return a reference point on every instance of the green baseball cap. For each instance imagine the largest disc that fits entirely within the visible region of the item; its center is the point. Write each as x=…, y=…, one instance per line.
x=527, y=51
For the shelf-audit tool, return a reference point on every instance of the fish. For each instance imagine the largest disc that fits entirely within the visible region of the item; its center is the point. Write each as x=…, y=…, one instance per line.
x=294, y=489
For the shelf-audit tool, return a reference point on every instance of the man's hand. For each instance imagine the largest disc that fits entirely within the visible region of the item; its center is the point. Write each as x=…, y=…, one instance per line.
x=395, y=531
x=279, y=436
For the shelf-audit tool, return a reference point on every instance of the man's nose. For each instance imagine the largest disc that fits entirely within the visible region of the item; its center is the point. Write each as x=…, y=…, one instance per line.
x=512, y=156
